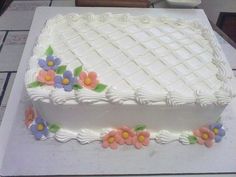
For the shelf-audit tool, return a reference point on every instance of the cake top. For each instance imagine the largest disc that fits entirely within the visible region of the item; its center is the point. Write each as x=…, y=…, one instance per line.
x=124, y=59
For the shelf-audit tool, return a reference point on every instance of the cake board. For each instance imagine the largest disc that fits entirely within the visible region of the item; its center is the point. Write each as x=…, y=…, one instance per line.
x=21, y=154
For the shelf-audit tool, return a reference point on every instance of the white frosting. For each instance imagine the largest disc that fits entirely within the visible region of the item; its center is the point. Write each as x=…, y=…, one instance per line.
x=88, y=96
x=39, y=94
x=85, y=136
x=64, y=135
x=164, y=136
x=117, y=96
x=59, y=96
x=149, y=60
x=149, y=97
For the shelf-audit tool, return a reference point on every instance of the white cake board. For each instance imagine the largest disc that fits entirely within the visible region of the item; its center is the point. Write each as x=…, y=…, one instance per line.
x=20, y=154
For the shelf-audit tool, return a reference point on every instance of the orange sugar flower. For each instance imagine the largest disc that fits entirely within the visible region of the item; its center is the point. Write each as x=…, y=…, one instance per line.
x=112, y=139
x=88, y=80
x=141, y=139
x=29, y=116
x=46, y=77
x=204, y=136
x=126, y=134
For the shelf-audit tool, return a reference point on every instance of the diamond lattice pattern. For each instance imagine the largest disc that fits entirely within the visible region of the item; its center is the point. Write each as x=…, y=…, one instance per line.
x=161, y=56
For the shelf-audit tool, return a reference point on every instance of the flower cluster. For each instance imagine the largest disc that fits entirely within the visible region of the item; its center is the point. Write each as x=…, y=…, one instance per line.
x=54, y=74
x=36, y=123
x=207, y=135
x=126, y=135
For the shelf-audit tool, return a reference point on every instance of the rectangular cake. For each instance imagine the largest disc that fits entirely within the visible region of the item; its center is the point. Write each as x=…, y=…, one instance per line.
x=118, y=77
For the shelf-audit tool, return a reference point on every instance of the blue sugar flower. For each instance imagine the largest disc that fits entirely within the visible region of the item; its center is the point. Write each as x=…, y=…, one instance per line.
x=66, y=82
x=39, y=128
x=218, y=131
x=51, y=63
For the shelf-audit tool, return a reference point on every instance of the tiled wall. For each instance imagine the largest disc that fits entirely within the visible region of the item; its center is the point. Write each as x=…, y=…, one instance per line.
x=14, y=27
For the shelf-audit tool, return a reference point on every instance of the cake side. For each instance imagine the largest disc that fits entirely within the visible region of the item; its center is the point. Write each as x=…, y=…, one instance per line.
x=152, y=72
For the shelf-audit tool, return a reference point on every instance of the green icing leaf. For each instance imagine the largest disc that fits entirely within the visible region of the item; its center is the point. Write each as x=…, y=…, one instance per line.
x=192, y=139
x=35, y=84
x=77, y=87
x=77, y=71
x=49, y=51
x=100, y=88
x=53, y=128
x=61, y=69
x=139, y=127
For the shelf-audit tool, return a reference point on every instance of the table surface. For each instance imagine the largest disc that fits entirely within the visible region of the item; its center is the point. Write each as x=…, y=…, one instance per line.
x=20, y=154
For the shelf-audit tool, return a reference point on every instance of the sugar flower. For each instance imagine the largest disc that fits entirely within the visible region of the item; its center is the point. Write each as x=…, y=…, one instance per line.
x=218, y=131
x=29, y=116
x=46, y=77
x=112, y=139
x=141, y=139
x=88, y=80
x=204, y=136
x=66, y=82
x=39, y=128
x=126, y=134
x=51, y=63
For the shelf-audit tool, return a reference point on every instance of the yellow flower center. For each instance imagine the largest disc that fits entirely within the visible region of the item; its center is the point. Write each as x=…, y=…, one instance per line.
x=141, y=138
x=40, y=127
x=111, y=140
x=50, y=63
x=205, y=136
x=125, y=135
x=48, y=78
x=216, y=131
x=87, y=81
x=65, y=81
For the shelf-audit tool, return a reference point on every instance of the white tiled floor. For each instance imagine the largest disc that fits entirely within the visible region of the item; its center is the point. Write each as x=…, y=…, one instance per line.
x=2, y=34
x=12, y=50
x=19, y=15
x=8, y=90
x=2, y=80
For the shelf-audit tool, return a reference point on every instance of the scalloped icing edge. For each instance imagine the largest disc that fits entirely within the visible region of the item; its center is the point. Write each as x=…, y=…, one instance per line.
x=87, y=136
x=222, y=96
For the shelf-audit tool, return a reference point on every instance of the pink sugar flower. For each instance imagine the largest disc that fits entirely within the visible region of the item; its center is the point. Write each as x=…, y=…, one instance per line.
x=88, y=80
x=141, y=139
x=126, y=134
x=204, y=136
x=112, y=139
x=29, y=116
x=46, y=77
